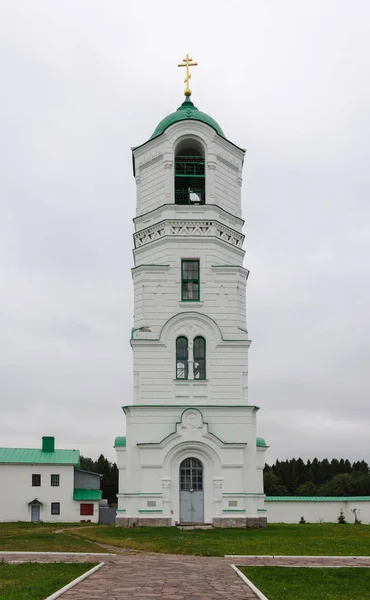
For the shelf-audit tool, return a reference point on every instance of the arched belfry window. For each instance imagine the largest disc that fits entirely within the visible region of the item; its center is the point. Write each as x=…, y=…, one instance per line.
x=182, y=365
x=199, y=358
x=190, y=178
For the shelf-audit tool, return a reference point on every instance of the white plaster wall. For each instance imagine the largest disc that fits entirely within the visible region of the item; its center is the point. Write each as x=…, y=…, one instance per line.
x=222, y=288
x=168, y=212
x=165, y=234
x=154, y=168
x=230, y=471
x=315, y=512
x=17, y=491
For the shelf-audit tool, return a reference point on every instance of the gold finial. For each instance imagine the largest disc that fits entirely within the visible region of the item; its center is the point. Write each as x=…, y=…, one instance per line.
x=187, y=63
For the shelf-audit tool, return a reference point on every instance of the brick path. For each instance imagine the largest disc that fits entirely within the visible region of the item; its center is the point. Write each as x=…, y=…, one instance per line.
x=149, y=576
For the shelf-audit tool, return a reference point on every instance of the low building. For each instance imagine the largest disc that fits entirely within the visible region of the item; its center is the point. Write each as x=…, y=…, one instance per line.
x=46, y=484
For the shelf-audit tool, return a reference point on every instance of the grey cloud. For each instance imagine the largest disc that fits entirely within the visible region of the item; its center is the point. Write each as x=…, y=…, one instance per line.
x=84, y=81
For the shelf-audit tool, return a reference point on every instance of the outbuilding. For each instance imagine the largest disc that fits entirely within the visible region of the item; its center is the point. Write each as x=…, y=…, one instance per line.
x=46, y=484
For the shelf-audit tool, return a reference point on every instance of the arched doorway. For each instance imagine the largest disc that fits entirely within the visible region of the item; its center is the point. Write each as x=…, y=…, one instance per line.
x=191, y=491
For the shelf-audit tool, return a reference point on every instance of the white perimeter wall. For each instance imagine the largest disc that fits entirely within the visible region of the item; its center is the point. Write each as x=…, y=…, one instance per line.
x=316, y=512
x=16, y=491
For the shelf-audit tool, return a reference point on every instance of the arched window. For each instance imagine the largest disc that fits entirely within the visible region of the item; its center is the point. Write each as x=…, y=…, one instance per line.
x=191, y=474
x=190, y=182
x=182, y=367
x=199, y=358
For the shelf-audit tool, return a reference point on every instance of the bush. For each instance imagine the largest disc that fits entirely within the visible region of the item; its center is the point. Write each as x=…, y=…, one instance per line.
x=341, y=517
x=357, y=520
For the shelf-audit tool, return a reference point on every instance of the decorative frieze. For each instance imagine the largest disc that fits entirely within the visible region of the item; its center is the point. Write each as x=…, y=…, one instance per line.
x=189, y=228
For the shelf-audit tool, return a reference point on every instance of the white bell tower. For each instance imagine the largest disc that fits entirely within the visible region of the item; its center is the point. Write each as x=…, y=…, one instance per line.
x=190, y=454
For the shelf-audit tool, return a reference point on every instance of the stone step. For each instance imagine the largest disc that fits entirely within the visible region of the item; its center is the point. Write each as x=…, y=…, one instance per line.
x=186, y=526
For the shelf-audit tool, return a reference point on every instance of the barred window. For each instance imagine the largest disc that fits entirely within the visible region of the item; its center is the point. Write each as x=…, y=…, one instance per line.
x=55, y=508
x=199, y=358
x=191, y=474
x=182, y=367
x=36, y=480
x=54, y=480
x=190, y=280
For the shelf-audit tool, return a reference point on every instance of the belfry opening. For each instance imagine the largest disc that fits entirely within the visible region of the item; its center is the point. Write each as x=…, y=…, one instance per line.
x=190, y=178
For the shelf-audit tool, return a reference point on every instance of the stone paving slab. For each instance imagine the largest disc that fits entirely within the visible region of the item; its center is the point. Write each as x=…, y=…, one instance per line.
x=165, y=577
x=304, y=561
x=152, y=576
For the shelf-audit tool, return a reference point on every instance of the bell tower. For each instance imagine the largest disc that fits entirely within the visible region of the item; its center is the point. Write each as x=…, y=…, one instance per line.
x=190, y=454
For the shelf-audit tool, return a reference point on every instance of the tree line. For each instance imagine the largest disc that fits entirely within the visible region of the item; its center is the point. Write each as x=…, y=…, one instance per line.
x=292, y=477
x=338, y=477
x=109, y=472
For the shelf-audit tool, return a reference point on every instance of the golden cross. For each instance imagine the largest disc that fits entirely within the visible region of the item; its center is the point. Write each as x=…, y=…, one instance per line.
x=188, y=62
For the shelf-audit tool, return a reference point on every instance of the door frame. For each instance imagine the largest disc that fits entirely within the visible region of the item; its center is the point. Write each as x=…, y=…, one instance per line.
x=191, y=490
x=36, y=506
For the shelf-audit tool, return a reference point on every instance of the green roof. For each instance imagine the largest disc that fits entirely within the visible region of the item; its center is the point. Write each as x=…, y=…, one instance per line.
x=120, y=442
x=80, y=494
x=317, y=499
x=37, y=456
x=260, y=443
x=187, y=111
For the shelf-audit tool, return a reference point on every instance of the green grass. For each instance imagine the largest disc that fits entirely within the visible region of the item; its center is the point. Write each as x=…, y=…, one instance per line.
x=310, y=539
x=32, y=581
x=40, y=537
x=286, y=583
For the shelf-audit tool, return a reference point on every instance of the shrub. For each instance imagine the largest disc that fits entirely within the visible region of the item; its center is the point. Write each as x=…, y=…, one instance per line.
x=341, y=517
x=355, y=511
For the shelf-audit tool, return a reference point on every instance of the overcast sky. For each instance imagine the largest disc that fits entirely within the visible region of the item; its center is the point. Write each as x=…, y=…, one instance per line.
x=81, y=82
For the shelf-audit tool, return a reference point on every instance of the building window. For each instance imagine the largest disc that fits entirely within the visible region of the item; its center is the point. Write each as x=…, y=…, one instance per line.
x=190, y=177
x=190, y=280
x=182, y=368
x=191, y=475
x=36, y=480
x=54, y=480
x=86, y=509
x=55, y=508
x=199, y=358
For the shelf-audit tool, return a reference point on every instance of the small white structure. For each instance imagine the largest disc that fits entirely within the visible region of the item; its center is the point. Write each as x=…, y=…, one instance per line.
x=317, y=509
x=190, y=454
x=46, y=485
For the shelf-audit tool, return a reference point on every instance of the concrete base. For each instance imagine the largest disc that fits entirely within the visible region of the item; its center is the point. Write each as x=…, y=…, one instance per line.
x=240, y=522
x=257, y=522
x=143, y=522
x=230, y=522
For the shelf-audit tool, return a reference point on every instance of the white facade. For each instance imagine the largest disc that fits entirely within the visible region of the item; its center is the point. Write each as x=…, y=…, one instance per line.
x=317, y=510
x=18, y=494
x=36, y=486
x=203, y=416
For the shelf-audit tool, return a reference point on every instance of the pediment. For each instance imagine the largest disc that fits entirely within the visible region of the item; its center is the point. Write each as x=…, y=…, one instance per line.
x=192, y=428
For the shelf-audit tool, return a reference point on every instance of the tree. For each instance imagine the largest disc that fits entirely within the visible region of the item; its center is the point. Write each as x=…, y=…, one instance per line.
x=273, y=485
x=308, y=488
x=340, y=485
x=109, y=472
x=87, y=464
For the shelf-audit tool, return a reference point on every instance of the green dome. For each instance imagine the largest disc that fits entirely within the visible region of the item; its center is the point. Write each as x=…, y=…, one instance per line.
x=186, y=111
x=260, y=443
x=120, y=442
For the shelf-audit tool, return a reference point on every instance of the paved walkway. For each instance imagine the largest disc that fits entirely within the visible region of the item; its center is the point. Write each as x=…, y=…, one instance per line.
x=149, y=576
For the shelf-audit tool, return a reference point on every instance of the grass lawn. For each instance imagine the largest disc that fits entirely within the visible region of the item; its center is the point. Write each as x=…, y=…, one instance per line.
x=39, y=537
x=310, y=539
x=32, y=581
x=285, y=583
